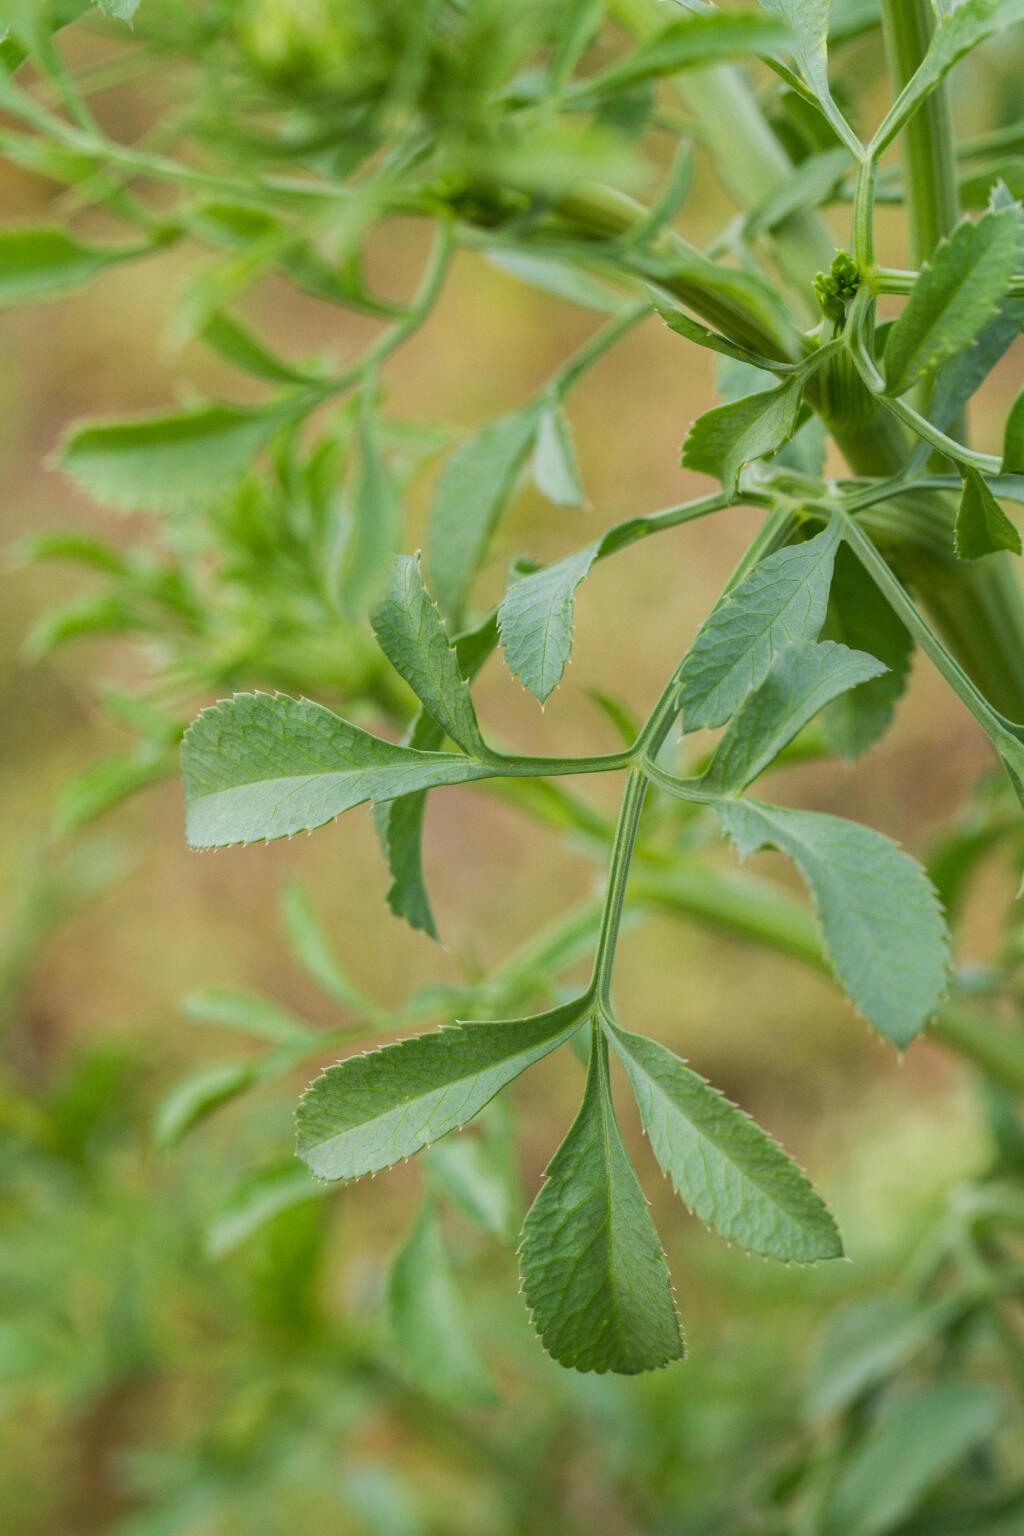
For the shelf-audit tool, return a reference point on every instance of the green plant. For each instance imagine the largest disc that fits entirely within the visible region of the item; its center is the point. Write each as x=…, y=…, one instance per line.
x=306, y=137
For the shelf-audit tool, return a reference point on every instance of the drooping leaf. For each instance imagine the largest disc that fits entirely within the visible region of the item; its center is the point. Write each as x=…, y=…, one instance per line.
x=237, y=344
x=729, y=436
x=413, y=637
x=684, y=325
x=782, y=602
x=689, y=42
x=859, y=616
x=44, y=262
x=260, y=766
x=372, y=1110
x=879, y=915
x=313, y=949
x=247, y=1012
x=722, y=1164
x=954, y=298
x=1013, y=439
x=257, y=1199
x=535, y=621
x=427, y=1317
x=556, y=472
x=473, y=488
x=960, y=29
x=802, y=679
x=167, y=463
x=916, y=1441
x=982, y=527
x=594, y=1274
x=197, y=1096
x=375, y=531
x=807, y=21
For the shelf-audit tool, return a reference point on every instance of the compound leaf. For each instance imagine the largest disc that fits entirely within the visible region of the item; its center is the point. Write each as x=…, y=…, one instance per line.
x=730, y=1172
x=802, y=679
x=880, y=918
x=782, y=602
x=954, y=298
x=594, y=1274
x=728, y=436
x=412, y=635
x=260, y=766
x=372, y=1110
x=959, y=30
x=982, y=527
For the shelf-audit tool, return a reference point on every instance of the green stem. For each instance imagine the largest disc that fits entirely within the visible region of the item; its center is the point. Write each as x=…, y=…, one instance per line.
x=624, y=842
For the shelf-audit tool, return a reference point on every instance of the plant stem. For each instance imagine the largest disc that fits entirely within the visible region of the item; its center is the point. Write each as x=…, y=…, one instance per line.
x=618, y=873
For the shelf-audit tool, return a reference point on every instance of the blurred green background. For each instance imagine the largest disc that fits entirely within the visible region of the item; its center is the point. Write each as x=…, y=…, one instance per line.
x=148, y=1387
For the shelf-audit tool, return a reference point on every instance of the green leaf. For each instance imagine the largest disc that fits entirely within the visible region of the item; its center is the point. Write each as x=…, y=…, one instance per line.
x=108, y=783
x=962, y=376
x=684, y=325
x=475, y=483
x=982, y=527
x=413, y=638
x=427, y=1317
x=879, y=915
x=168, y=463
x=729, y=436
x=241, y=347
x=808, y=186
x=556, y=473
x=730, y=1172
x=260, y=766
x=244, y=1011
x=954, y=297
x=802, y=679
x=370, y=1111
x=556, y=277
x=313, y=949
x=918, y=1440
x=1013, y=439
x=594, y=1274
x=808, y=21
x=535, y=621
x=782, y=602
x=257, y=1199
x=467, y=1171
x=859, y=616
x=689, y=42
x=46, y=262
x=958, y=32
x=197, y=1096
x=375, y=531
x=122, y=10
x=870, y=1340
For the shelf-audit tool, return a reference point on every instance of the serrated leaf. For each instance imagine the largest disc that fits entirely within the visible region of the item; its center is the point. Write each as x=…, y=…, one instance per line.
x=782, y=602
x=370, y=1111
x=982, y=527
x=247, y=1012
x=312, y=948
x=46, y=262
x=959, y=380
x=171, y=462
x=880, y=919
x=954, y=297
x=594, y=1275
x=859, y=616
x=1013, y=439
x=427, y=1317
x=535, y=621
x=257, y=1199
x=729, y=436
x=375, y=530
x=917, y=1440
x=556, y=472
x=412, y=635
x=960, y=30
x=197, y=1096
x=260, y=766
x=474, y=486
x=802, y=679
x=730, y=1172
x=807, y=21
x=689, y=42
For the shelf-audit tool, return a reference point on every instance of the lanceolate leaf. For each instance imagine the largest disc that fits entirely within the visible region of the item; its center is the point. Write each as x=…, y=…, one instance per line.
x=802, y=679
x=168, y=463
x=954, y=297
x=859, y=616
x=556, y=472
x=413, y=637
x=41, y=263
x=258, y=1199
x=372, y=1110
x=594, y=1274
x=982, y=527
x=313, y=949
x=722, y=1164
x=782, y=602
x=375, y=530
x=260, y=766
x=684, y=325
x=879, y=915
x=535, y=621
x=428, y=1319
x=474, y=486
x=725, y=438
x=689, y=42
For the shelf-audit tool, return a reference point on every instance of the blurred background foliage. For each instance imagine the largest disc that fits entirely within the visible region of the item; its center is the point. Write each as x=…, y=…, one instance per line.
x=193, y=1343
